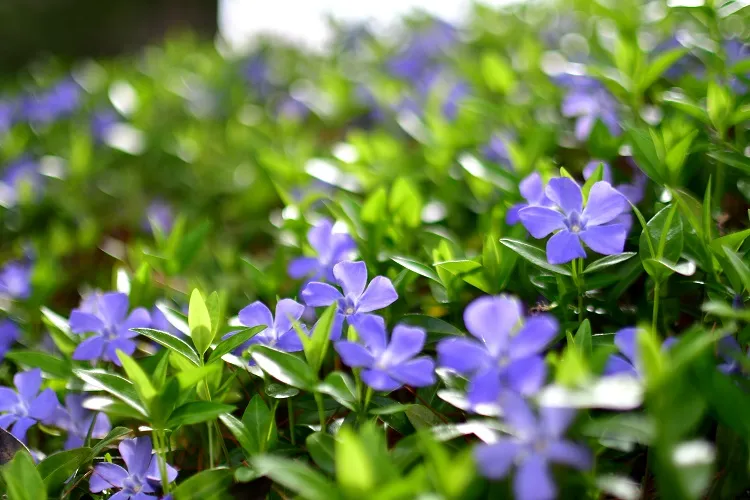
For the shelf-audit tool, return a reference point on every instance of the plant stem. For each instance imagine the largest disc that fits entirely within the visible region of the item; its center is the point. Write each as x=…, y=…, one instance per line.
x=290, y=410
x=655, y=317
x=210, y=446
x=158, y=437
x=577, y=271
x=321, y=411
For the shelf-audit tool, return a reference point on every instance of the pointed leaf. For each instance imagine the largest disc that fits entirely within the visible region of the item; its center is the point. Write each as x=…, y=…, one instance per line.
x=195, y=412
x=115, y=385
x=233, y=342
x=283, y=366
x=171, y=342
x=534, y=255
x=199, y=320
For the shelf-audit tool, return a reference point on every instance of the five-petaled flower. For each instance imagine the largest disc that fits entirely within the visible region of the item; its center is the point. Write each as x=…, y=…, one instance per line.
x=15, y=280
x=106, y=315
x=331, y=248
x=358, y=297
x=506, y=355
x=535, y=444
x=28, y=406
x=279, y=332
x=595, y=224
x=77, y=420
x=387, y=365
x=141, y=478
x=532, y=190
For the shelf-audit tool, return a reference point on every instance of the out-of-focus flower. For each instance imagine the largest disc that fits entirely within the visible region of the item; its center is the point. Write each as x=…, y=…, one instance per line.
x=28, y=406
x=292, y=109
x=535, y=444
x=7, y=115
x=588, y=101
x=506, y=354
x=331, y=248
x=737, y=52
x=421, y=51
x=160, y=322
x=161, y=215
x=15, y=280
x=258, y=75
x=279, y=332
x=452, y=104
x=77, y=420
x=8, y=336
x=532, y=190
x=106, y=316
x=358, y=296
x=594, y=224
x=21, y=180
x=627, y=360
x=496, y=150
x=48, y=106
x=102, y=122
x=730, y=352
x=140, y=480
x=387, y=365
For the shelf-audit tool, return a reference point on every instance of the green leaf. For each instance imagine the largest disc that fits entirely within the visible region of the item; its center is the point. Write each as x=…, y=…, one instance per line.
x=57, y=468
x=111, y=436
x=296, y=476
x=417, y=267
x=707, y=219
x=59, y=331
x=468, y=270
x=321, y=446
x=213, y=305
x=208, y=484
x=259, y=422
x=658, y=66
x=422, y=418
x=662, y=269
x=719, y=105
x=171, y=342
x=189, y=377
x=665, y=230
x=583, y=337
x=115, y=385
x=733, y=241
x=733, y=159
x=138, y=377
x=405, y=203
x=497, y=73
x=724, y=310
x=608, y=261
x=22, y=478
x=341, y=388
x=435, y=326
x=595, y=177
x=316, y=346
x=534, y=255
x=195, y=412
x=243, y=436
x=740, y=267
x=356, y=475
x=231, y=343
x=646, y=155
x=199, y=320
x=375, y=206
x=56, y=366
x=283, y=366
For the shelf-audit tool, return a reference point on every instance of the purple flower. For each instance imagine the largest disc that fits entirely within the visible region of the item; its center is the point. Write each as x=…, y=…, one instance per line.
x=331, y=248
x=8, y=336
x=160, y=322
x=506, y=353
x=595, y=224
x=77, y=420
x=424, y=46
x=21, y=180
x=627, y=361
x=159, y=214
x=532, y=190
x=106, y=315
x=141, y=478
x=536, y=443
x=28, y=406
x=496, y=150
x=358, y=297
x=15, y=280
x=730, y=351
x=279, y=332
x=101, y=123
x=387, y=366
x=452, y=104
x=59, y=101
x=7, y=114
x=737, y=52
x=292, y=109
x=588, y=101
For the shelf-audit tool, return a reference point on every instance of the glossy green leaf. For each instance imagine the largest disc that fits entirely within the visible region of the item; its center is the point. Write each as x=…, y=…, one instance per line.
x=171, y=342
x=468, y=270
x=534, y=255
x=115, y=385
x=231, y=343
x=340, y=387
x=241, y=434
x=195, y=412
x=259, y=422
x=608, y=261
x=55, y=366
x=57, y=468
x=321, y=446
x=199, y=320
x=417, y=267
x=357, y=477
x=297, y=476
x=283, y=366
x=207, y=484
x=138, y=377
x=22, y=479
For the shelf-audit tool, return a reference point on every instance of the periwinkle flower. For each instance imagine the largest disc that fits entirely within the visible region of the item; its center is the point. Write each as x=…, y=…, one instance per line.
x=532, y=190
x=627, y=361
x=588, y=101
x=160, y=215
x=28, y=406
x=140, y=480
x=292, y=109
x=457, y=95
x=420, y=52
x=279, y=332
x=77, y=420
x=496, y=150
x=102, y=122
x=7, y=115
x=160, y=322
x=56, y=102
x=15, y=280
x=358, y=296
x=387, y=365
x=535, y=444
x=507, y=352
x=595, y=224
x=21, y=181
x=331, y=248
x=106, y=316
x=737, y=52
x=8, y=336
x=730, y=352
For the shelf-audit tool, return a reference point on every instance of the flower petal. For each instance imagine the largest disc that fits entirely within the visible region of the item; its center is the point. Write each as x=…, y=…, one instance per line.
x=8, y=399
x=354, y=355
x=7, y=420
x=496, y=459
x=616, y=364
x=154, y=474
x=289, y=341
x=564, y=247
x=591, y=167
x=419, y=372
x=555, y=420
x=484, y=388
x=113, y=307
x=535, y=335
x=319, y=237
x=463, y=355
x=138, y=318
x=256, y=314
x=566, y=194
x=540, y=221
x=406, y=342
x=604, y=204
x=83, y=322
x=102, y=426
x=492, y=318
x=518, y=415
x=352, y=276
x=511, y=216
x=21, y=427
x=379, y=294
x=287, y=310
x=532, y=188
x=533, y=480
x=28, y=383
x=89, y=349
x=606, y=240
x=625, y=340
x=572, y=454
x=527, y=375
x=106, y=476
x=371, y=329
x=136, y=453
x=303, y=266
x=125, y=345
x=379, y=380
x=316, y=294
x=44, y=405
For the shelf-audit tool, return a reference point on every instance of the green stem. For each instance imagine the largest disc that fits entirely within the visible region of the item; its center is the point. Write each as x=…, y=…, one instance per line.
x=210, y=446
x=321, y=411
x=290, y=410
x=576, y=269
x=655, y=317
x=224, y=448
x=273, y=422
x=158, y=437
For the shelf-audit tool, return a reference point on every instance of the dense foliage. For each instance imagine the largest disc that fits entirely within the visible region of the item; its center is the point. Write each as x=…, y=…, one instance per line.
x=503, y=260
